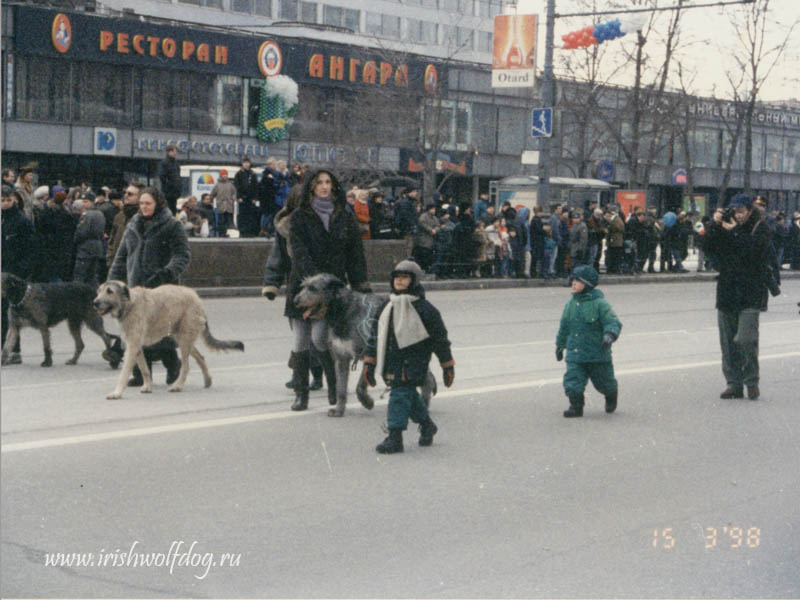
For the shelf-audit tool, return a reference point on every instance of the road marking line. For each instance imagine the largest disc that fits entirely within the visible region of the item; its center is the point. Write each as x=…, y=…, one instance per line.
x=204, y=424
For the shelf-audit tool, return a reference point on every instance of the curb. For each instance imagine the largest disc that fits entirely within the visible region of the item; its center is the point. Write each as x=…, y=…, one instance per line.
x=493, y=284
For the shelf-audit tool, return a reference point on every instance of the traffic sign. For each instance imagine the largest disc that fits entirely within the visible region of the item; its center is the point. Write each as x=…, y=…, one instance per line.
x=542, y=122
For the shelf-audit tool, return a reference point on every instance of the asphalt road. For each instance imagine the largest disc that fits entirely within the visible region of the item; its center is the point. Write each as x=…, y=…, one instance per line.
x=678, y=494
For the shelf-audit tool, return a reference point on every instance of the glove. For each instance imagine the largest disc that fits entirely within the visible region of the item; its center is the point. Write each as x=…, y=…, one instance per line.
x=369, y=374
x=269, y=292
x=608, y=339
x=156, y=279
x=449, y=375
x=559, y=354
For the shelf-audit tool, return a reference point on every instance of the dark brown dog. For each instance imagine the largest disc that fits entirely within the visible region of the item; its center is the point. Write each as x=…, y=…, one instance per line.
x=43, y=305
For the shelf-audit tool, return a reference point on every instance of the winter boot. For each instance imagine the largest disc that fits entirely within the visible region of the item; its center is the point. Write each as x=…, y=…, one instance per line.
x=290, y=383
x=427, y=429
x=611, y=403
x=137, y=380
x=753, y=392
x=169, y=356
x=329, y=368
x=732, y=391
x=575, y=407
x=316, y=382
x=301, y=366
x=392, y=444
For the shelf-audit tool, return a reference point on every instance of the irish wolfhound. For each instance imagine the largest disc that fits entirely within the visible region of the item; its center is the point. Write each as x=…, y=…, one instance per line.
x=44, y=305
x=351, y=318
x=148, y=315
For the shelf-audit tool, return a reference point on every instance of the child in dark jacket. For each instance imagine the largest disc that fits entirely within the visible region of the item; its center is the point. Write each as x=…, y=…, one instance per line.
x=408, y=331
x=588, y=328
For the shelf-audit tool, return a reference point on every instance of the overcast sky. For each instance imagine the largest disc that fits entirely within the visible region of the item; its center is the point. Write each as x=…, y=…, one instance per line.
x=710, y=32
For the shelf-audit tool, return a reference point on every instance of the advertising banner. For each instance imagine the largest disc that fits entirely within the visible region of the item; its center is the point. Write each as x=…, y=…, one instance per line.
x=90, y=37
x=413, y=161
x=697, y=203
x=514, y=54
x=630, y=200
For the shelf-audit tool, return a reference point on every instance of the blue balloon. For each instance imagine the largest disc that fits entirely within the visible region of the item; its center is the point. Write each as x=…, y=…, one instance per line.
x=670, y=219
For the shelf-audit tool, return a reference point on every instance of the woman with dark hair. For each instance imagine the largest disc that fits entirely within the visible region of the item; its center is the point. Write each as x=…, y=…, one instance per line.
x=323, y=238
x=276, y=271
x=154, y=251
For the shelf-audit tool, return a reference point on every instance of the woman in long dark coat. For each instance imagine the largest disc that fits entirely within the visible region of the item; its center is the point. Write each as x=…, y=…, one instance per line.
x=324, y=238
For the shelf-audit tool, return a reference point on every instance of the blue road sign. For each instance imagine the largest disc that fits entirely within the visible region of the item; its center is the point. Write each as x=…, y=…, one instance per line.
x=542, y=122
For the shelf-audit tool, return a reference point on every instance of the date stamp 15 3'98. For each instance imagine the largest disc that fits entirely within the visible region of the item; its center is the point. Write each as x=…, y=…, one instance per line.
x=728, y=536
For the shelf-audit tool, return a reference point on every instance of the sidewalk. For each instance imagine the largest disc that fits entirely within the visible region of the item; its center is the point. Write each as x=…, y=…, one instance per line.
x=431, y=284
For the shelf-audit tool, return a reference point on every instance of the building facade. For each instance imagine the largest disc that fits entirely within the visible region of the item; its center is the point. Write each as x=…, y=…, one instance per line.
x=98, y=94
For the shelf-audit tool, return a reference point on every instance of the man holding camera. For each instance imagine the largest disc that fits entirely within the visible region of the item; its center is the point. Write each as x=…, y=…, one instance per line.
x=740, y=242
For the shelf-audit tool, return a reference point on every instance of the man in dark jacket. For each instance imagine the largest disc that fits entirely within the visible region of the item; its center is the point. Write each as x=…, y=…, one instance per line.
x=464, y=241
x=538, y=268
x=246, y=183
x=89, y=244
x=169, y=176
x=18, y=248
x=56, y=229
x=741, y=247
x=408, y=331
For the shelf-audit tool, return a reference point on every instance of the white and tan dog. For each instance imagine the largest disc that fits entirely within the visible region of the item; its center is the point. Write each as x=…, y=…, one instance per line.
x=147, y=316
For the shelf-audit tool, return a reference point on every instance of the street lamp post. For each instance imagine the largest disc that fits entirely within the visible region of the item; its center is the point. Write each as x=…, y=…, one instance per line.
x=548, y=100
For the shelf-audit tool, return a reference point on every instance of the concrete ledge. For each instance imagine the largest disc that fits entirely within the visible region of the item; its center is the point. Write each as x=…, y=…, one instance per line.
x=235, y=263
x=493, y=284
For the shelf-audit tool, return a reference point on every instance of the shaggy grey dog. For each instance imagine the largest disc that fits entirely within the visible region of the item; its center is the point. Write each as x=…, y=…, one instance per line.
x=44, y=305
x=351, y=318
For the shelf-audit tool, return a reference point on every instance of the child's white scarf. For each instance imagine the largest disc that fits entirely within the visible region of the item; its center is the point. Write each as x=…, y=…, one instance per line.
x=407, y=324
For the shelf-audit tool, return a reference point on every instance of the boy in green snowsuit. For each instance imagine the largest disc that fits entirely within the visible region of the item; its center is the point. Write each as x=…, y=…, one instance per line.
x=588, y=328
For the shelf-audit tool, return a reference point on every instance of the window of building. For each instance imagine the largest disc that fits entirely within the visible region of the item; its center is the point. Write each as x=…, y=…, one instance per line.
x=454, y=121
x=382, y=25
x=448, y=5
x=244, y=6
x=495, y=8
x=352, y=19
x=289, y=10
x=209, y=3
x=163, y=97
x=449, y=36
x=230, y=96
x=42, y=88
x=203, y=102
x=466, y=7
x=727, y=141
x=341, y=17
x=263, y=7
x=101, y=104
x=332, y=15
x=484, y=41
x=704, y=149
x=422, y=32
x=308, y=12
x=791, y=163
x=774, y=154
x=391, y=26
x=464, y=38
x=373, y=24
x=483, y=8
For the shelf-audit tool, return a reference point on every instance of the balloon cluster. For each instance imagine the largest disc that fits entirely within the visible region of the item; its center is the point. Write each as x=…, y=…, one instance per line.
x=602, y=32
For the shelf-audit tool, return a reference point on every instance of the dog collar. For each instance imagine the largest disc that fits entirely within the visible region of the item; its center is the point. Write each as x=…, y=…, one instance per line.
x=28, y=289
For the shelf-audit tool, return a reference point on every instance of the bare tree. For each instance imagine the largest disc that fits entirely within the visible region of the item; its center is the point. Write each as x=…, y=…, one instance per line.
x=755, y=55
